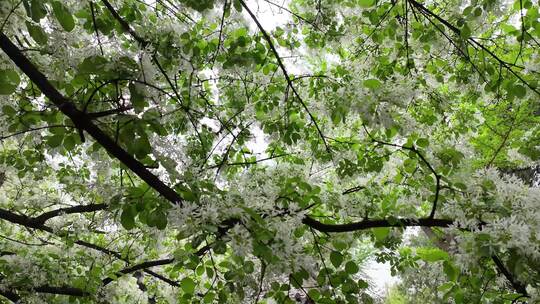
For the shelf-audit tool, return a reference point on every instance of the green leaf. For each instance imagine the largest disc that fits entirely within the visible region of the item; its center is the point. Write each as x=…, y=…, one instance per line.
x=63, y=15
x=37, y=33
x=199, y=5
x=314, y=293
x=254, y=215
x=409, y=165
x=366, y=3
x=237, y=5
x=445, y=287
x=372, y=83
x=451, y=271
x=351, y=267
x=380, y=233
x=9, y=81
x=55, y=141
x=459, y=297
x=7, y=110
x=465, y=31
x=141, y=147
x=422, y=142
x=186, y=193
x=209, y=297
x=477, y=11
x=157, y=219
x=219, y=247
x=93, y=65
x=432, y=254
x=188, y=196
x=339, y=245
x=467, y=10
x=188, y=285
x=69, y=142
x=127, y=218
x=362, y=284
x=336, y=258
x=38, y=10
x=136, y=98
x=519, y=91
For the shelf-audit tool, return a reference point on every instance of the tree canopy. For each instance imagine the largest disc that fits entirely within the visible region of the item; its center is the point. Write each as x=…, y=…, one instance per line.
x=202, y=151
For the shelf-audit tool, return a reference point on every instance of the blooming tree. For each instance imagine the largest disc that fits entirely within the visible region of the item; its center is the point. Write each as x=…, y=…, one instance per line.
x=182, y=151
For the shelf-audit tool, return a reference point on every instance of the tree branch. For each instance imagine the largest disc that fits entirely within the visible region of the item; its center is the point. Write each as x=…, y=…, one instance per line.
x=424, y=160
x=58, y=290
x=124, y=24
x=63, y=290
x=473, y=42
x=10, y=295
x=83, y=122
x=518, y=286
x=137, y=267
x=285, y=73
x=32, y=130
x=367, y=224
x=69, y=210
x=31, y=222
x=143, y=43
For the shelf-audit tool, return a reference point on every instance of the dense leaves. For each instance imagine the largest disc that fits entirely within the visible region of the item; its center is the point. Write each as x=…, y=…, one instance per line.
x=231, y=151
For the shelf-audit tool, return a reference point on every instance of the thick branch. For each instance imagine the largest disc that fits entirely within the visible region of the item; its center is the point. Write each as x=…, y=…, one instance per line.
x=22, y=220
x=58, y=290
x=367, y=224
x=39, y=221
x=69, y=210
x=69, y=291
x=10, y=295
x=137, y=267
x=30, y=222
x=83, y=122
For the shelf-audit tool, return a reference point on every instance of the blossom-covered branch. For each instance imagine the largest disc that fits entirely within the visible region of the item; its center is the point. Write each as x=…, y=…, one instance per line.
x=34, y=223
x=473, y=42
x=83, y=122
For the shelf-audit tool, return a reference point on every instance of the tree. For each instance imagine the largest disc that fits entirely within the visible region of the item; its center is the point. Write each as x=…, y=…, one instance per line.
x=181, y=152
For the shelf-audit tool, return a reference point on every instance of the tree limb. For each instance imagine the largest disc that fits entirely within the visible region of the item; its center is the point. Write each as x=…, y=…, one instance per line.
x=83, y=121
x=31, y=222
x=518, y=286
x=140, y=266
x=473, y=42
x=367, y=224
x=69, y=210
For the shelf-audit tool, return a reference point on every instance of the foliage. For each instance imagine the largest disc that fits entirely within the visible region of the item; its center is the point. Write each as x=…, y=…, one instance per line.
x=184, y=152
x=395, y=297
